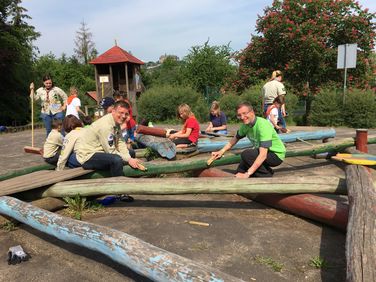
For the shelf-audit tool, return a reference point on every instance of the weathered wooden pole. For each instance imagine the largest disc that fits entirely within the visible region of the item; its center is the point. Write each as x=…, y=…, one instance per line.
x=50, y=204
x=361, y=140
x=361, y=228
x=330, y=211
x=142, y=257
x=193, y=185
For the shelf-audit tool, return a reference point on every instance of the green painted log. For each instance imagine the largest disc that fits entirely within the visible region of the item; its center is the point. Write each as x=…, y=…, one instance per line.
x=175, y=186
x=200, y=162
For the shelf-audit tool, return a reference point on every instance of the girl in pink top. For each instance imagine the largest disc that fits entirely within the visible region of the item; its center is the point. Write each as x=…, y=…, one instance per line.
x=188, y=135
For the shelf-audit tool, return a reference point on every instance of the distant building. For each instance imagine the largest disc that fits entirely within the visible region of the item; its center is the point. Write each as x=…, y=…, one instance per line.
x=164, y=57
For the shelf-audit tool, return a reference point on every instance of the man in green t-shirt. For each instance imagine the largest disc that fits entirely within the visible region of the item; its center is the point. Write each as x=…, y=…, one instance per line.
x=268, y=149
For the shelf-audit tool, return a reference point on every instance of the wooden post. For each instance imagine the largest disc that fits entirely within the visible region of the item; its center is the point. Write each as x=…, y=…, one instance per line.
x=111, y=82
x=97, y=84
x=361, y=228
x=127, y=82
x=142, y=257
x=361, y=140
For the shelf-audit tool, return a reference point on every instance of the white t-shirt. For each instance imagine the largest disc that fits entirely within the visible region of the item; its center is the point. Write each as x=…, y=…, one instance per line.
x=273, y=115
x=71, y=108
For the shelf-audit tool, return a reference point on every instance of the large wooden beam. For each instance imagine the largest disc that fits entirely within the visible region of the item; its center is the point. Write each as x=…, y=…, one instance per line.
x=361, y=228
x=193, y=185
x=199, y=163
x=142, y=257
x=331, y=211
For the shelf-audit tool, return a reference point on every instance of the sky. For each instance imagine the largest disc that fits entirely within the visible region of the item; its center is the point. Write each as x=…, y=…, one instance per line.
x=147, y=28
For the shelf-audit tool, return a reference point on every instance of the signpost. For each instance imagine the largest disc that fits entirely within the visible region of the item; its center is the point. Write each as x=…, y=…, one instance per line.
x=346, y=59
x=103, y=79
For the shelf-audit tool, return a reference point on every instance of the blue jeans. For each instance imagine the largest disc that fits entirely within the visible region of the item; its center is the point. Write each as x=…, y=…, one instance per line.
x=48, y=118
x=105, y=161
x=72, y=161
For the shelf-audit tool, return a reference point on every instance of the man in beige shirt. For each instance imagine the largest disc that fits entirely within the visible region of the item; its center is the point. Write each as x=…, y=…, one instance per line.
x=100, y=145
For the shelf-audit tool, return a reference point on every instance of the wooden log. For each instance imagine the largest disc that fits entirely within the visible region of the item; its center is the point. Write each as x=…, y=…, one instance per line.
x=210, y=145
x=142, y=257
x=50, y=204
x=361, y=228
x=38, y=179
x=164, y=146
x=332, y=212
x=154, y=131
x=199, y=163
x=193, y=185
x=26, y=171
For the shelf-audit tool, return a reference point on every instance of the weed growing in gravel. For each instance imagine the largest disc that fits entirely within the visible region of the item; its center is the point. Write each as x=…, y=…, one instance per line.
x=318, y=262
x=268, y=261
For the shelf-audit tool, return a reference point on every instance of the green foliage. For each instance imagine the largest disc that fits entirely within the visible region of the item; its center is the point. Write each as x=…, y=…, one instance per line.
x=291, y=106
x=150, y=154
x=228, y=104
x=318, y=262
x=168, y=73
x=160, y=103
x=326, y=108
x=360, y=109
x=253, y=95
x=301, y=37
x=209, y=66
x=76, y=205
x=268, y=261
x=9, y=226
x=16, y=54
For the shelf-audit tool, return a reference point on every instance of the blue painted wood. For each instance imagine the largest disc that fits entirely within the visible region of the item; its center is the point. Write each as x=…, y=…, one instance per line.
x=210, y=145
x=164, y=146
x=142, y=257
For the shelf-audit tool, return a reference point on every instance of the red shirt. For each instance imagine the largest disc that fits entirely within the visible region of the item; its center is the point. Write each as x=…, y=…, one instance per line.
x=192, y=122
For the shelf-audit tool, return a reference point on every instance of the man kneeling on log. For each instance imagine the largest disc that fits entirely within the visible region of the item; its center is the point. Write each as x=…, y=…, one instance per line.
x=101, y=145
x=268, y=149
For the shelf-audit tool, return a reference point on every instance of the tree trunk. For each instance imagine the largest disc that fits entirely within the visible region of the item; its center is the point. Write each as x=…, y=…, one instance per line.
x=175, y=186
x=142, y=257
x=361, y=228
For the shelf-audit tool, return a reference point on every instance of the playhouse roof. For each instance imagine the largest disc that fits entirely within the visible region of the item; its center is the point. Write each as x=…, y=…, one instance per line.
x=116, y=55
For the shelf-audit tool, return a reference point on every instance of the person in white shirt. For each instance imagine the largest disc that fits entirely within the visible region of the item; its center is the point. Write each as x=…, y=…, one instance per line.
x=74, y=103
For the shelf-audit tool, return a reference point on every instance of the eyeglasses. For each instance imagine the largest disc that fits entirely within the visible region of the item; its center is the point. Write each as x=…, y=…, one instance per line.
x=239, y=116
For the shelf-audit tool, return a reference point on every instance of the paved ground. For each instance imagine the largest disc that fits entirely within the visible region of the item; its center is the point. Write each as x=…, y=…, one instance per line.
x=242, y=234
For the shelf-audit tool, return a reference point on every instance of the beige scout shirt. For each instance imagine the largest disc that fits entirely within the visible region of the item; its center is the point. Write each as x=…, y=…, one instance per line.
x=101, y=136
x=272, y=89
x=68, y=147
x=53, y=143
x=51, y=102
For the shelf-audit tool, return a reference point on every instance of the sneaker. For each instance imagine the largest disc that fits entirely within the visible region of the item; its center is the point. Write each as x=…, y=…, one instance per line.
x=126, y=198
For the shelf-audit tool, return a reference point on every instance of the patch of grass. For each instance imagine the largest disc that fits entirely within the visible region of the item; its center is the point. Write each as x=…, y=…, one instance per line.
x=150, y=154
x=9, y=226
x=270, y=262
x=76, y=205
x=318, y=262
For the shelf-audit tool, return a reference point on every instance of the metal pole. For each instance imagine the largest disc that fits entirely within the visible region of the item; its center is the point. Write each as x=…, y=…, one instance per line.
x=345, y=78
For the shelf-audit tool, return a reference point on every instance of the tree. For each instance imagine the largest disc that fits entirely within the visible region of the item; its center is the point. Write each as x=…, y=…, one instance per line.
x=209, y=67
x=300, y=37
x=85, y=47
x=16, y=55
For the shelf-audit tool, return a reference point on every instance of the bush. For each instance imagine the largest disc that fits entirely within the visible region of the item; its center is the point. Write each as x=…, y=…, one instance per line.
x=160, y=103
x=228, y=104
x=360, y=109
x=254, y=96
x=326, y=108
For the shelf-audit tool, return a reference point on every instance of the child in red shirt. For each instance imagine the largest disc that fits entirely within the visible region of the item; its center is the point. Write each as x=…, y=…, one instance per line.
x=188, y=136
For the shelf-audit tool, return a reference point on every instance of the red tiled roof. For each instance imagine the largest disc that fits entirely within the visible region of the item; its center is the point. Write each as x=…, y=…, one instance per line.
x=116, y=55
x=93, y=95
